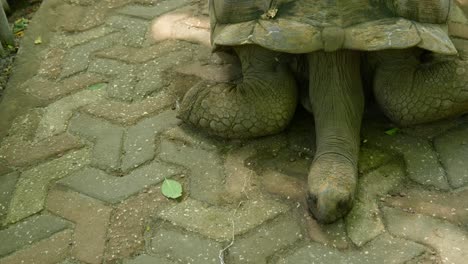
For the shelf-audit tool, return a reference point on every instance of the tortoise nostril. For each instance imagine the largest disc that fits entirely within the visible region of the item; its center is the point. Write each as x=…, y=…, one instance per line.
x=312, y=202
x=344, y=205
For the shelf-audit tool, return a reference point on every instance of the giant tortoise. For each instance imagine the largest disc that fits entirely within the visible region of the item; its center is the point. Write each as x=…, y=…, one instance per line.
x=418, y=73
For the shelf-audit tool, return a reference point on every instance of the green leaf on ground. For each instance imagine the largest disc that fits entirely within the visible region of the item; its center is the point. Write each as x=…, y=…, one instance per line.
x=171, y=189
x=97, y=86
x=20, y=25
x=38, y=40
x=393, y=131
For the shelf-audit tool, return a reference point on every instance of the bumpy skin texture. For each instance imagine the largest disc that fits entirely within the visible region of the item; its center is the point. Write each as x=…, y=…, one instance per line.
x=262, y=104
x=425, y=91
x=337, y=100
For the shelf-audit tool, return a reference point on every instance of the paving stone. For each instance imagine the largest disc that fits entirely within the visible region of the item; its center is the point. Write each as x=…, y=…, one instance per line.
x=383, y=249
x=136, y=82
x=107, y=140
x=69, y=17
x=152, y=75
x=110, y=67
x=123, y=88
x=447, y=206
x=124, y=79
x=111, y=189
x=194, y=137
x=7, y=187
x=147, y=259
x=31, y=188
x=422, y=163
x=91, y=218
x=20, y=153
x=134, y=29
x=47, y=251
x=51, y=65
x=4, y=168
x=34, y=229
x=434, y=129
x=240, y=180
x=77, y=60
x=139, y=143
x=129, y=222
x=259, y=244
x=83, y=18
x=151, y=12
x=364, y=222
x=56, y=115
x=206, y=180
x=371, y=158
x=448, y=240
x=216, y=222
x=71, y=261
x=287, y=186
x=133, y=55
x=49, y=90
x=184, y=247
x=67, y=40
x=129, y=113
x=453, y=150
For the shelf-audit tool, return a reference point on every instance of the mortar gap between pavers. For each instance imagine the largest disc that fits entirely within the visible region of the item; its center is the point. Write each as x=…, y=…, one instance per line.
x=441, y=164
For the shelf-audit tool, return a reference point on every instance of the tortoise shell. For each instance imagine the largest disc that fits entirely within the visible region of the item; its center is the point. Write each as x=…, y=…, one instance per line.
x=303, y=26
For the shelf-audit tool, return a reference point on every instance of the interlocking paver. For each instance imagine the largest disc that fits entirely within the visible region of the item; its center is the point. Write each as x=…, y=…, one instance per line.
x=56, y=115
x=22, y=153
x=384, y=249
x=364, y=222
x=50, y=250
x=216, y=222
x=207, y=175
x=259, y=244
x=34, y=229
x=100, y=185
x=153, y=11
x=129, y=222
x=453, y=150
x=70, y=40
x=442, y=205
x=140, y=141
x=51, y=65
x=422, y=161
x=450, y=241
x=33, y=184
x=77, y=60
x=183, y=246
x=7, y=187
x=147, y=259
x=91, y=218
x=134, y=29
x=107, y=140
x=371, y=158
x=49, y=90
x=141, y=55
x=129, y=113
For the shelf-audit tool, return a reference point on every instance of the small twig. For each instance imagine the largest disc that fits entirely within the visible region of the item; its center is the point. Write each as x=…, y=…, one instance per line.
x=221, y=252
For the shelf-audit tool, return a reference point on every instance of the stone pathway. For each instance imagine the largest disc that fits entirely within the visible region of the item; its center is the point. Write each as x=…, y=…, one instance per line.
x=92, y=133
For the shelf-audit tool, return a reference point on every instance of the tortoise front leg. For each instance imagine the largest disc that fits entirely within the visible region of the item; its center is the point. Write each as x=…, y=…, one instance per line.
x=262, y=104
x=336, y=94
x=413, y=92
